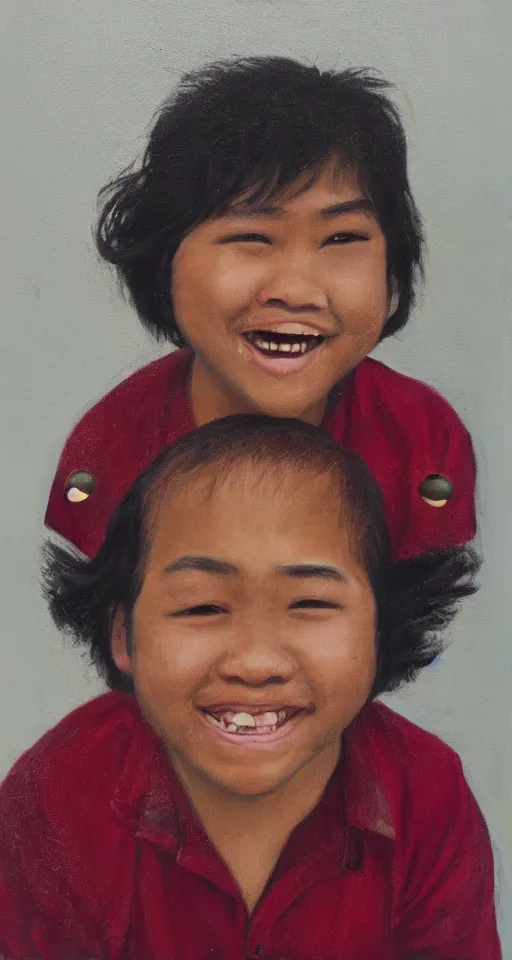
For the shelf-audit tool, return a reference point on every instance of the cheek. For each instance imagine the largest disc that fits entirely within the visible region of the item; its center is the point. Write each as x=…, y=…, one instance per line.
x=359, y=287
x=164, y=664
x=353, y=673
x=213, y=281
x=238, y=278
x=343, y=664
x=189, y=279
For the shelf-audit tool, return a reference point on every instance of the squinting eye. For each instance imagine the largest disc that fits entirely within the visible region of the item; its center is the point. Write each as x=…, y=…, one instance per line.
x=311, y=603
x=246, y=238
x=202, y=610
x=341, y=239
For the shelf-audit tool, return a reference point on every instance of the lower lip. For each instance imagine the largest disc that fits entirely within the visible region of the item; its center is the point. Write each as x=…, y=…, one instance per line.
x=279, y=365
x=263, y=741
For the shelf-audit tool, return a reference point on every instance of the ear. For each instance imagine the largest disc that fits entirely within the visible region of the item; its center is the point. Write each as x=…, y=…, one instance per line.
x=394, y=298
x=119, y=642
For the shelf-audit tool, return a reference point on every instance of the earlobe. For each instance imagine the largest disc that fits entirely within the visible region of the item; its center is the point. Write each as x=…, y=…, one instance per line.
x=119, y=642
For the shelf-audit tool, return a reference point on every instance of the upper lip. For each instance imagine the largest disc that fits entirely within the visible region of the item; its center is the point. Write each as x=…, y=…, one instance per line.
x=251, y=707
x=310, y=328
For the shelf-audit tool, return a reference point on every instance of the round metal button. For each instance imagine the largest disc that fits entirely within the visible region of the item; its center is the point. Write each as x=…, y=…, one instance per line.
x=80, y=486
x=436, y=490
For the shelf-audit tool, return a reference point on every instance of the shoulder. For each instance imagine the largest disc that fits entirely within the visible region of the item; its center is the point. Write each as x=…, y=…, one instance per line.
x=413, y=765
x=145, y=387
x=421, y=776
x=442, y=873
x=403, y=741
x=405, y=414
x=62, y=841
x=72, y=770
x=406, y=784
x=140, y=400
x=387, y=392
x=405, y=431
x=114, y=442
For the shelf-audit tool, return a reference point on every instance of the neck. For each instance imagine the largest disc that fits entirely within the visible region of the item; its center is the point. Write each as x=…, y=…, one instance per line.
x=212, y=399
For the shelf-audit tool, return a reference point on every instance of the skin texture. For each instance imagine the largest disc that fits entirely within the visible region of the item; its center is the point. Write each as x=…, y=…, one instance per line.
x=251, y=269
x=253, y=636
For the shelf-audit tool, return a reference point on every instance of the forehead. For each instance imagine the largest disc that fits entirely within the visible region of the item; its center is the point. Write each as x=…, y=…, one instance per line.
x=256, y=517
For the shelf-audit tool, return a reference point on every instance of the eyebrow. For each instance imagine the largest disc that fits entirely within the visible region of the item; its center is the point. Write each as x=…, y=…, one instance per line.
x=358, y=205
x=220, y=568
x=313, y=570
x=223, y=568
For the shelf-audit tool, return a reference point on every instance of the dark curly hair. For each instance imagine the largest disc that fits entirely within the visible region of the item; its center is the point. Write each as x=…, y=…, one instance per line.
x=252, y=127
x=416, y=598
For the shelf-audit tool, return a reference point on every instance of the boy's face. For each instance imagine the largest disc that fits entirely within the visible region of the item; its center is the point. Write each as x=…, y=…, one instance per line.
x=281, y=303
x=253, y=615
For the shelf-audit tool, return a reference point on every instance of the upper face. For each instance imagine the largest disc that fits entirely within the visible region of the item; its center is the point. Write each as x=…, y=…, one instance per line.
x=253, y=610
x=280, y=302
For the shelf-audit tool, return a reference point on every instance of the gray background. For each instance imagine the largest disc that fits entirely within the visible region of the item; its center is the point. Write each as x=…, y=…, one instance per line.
x=80, y=82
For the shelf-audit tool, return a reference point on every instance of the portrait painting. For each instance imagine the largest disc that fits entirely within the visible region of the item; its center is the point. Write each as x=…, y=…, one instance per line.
x=255, y=519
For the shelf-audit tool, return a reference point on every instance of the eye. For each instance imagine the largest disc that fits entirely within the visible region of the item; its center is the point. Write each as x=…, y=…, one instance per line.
x=312, y=603
x=200, y=610
x=246, y=238
x=341, y=239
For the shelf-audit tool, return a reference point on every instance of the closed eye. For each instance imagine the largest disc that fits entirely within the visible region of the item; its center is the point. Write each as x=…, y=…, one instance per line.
x=201, y=610
x=311, y=603
x=341, y=239
x=245, y=238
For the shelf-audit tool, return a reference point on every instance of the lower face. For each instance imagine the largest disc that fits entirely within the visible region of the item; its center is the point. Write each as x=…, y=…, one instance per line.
x=250, y=675
x=279, y=306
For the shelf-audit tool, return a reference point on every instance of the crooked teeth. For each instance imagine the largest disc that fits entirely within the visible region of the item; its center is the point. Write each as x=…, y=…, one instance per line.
x=299, y=348
x=238, y=722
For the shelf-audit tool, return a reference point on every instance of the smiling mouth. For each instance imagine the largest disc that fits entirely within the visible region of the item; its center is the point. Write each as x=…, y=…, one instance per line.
x=251, y=724
x=283, y=345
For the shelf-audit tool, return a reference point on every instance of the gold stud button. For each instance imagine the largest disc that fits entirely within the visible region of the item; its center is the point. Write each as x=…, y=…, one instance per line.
x=436, y=490
x=80, y=486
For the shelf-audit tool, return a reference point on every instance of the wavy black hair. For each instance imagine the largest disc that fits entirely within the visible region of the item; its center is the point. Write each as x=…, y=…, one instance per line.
x=416, y=599
x=253, y=127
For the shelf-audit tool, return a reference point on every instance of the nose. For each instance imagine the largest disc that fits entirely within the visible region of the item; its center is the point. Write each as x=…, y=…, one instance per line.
x=292, y=284
x=257, y=657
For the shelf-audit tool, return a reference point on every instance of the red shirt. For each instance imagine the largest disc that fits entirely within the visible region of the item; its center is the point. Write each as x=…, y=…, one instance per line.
x=101, y=855
x=402, y=429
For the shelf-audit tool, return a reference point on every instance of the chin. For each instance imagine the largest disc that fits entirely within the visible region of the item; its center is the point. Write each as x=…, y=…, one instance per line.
x=253, y=790
x=283, y=408
x=250, y=783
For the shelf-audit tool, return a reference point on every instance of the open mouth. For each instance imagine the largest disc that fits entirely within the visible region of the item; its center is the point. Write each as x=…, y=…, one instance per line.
x=251, y=724
x=289, y=346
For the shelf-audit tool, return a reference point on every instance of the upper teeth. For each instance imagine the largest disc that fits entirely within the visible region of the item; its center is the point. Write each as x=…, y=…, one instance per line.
x=282, y=347
x=268, y=719
x=244, y=720
x=233, y=721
